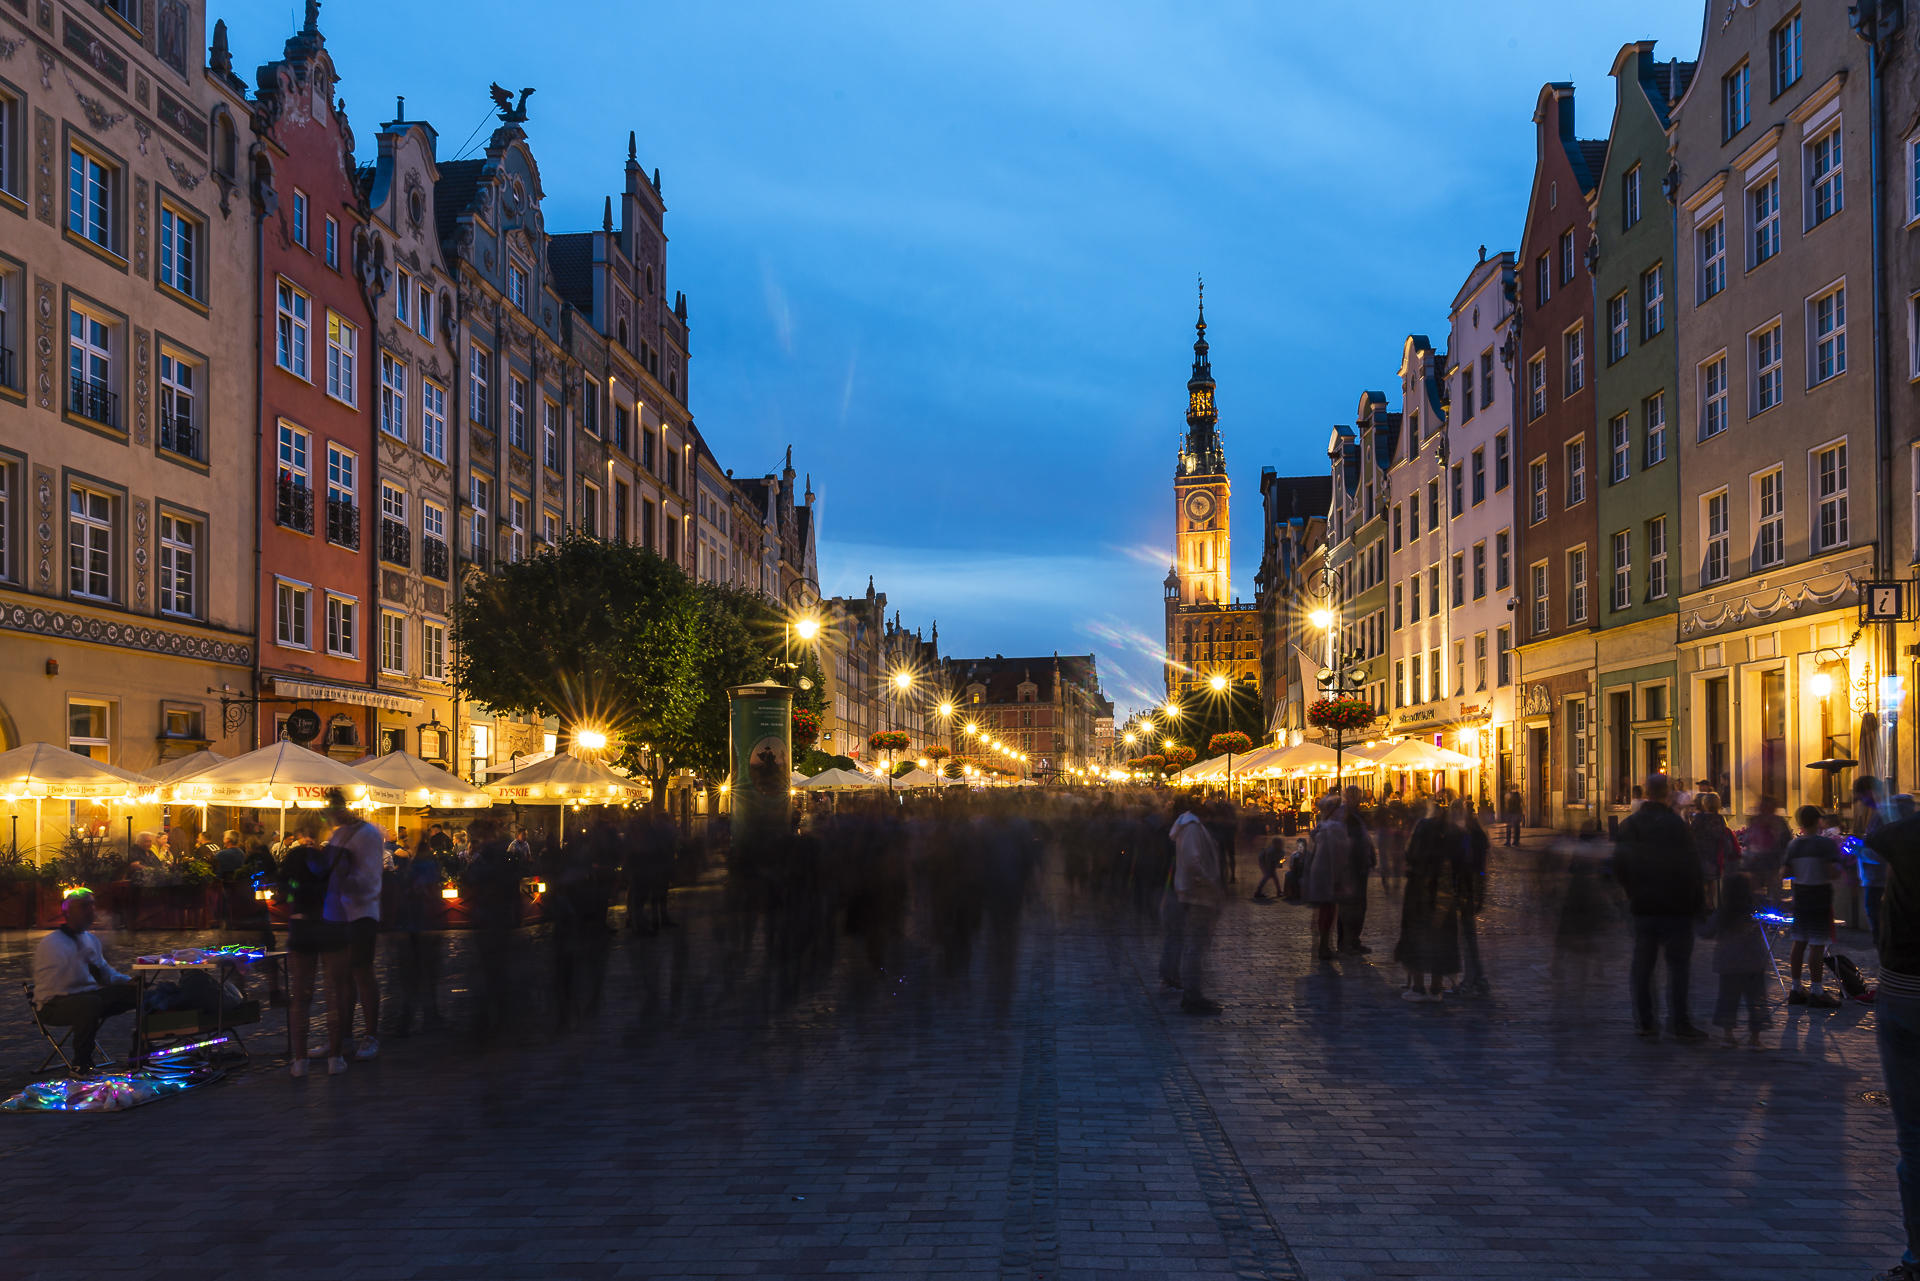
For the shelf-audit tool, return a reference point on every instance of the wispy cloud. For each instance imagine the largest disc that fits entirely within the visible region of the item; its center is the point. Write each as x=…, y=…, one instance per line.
x=779, y=311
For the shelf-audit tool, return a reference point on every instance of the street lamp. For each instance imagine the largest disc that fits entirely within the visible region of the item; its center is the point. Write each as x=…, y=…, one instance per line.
x=808, y=629
x=1218, y=682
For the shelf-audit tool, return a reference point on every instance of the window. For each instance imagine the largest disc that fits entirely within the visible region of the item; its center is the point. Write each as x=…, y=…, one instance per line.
x=1479, y=571
x=1537, y=386
x=1479, y=661
x=1416, y=693
x=1542, y=281
x=1784, y=45
x=1713, y=388
x=1486, y=379
x=1769, y=373
x=89, y=544
x=10, y=145
x=1654, y=410
x=1653, y=303
x=1540, y=607
x=477, y=358
x=1830, y=492
x=1413, y=599
x=433, y=520
x=516, y=528
x=1538, y=476
x=623, y=429
x=1413, y=517
x=1576, y=750
x=1433, y=504
x=293, y=456
x=343, y=346
x=393, y=396
x=177, y=431
x=1459, y=579
x=479, y=495
x=1502, y=463
x=90, y=192
x=433, y=420
x=1657, y=558
x=393, y=643
x=1396, y=526
x=1400, y=684
x=1502, y=542
x=423, y=314
x=1617, y=325
x=550, y=433
x=1623, y=570
x=179, y=265
x=1770, y=540
x=1433, y=589
x=1466, y=392
x=1503, y=655
x=1576, y=473
x=7, y=566
x=1737, y=95
x=290, y=331
x=87, y=731
x=1713, y=258
x=517, y=412
x=299, y=217
x=1577, y=586
x=340, y=621
x=1719, y=549
x=433, y=651
x=403, y=299
x=332, y=242
x=1620, y=442
x=1399, y=615
x=1479, y=476
x=516, y=284
x=1829, y=334
x=90, y=367
x=590, y=509
x=1825, y=175
x=1459, y=667
x=1566, y=256
x=1763, y=204
x=1576, y=359
x=290, y=615
x=1458, y=494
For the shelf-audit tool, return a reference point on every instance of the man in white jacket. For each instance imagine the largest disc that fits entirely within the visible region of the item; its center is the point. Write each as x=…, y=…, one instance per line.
x=1196, y=883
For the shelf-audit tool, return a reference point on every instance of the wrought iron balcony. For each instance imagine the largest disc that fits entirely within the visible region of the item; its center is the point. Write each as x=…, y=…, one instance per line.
x=396, y=542
x=343, y=522
x=92, y=400
x=179, y=435
x=433, y=559
x=294, y=507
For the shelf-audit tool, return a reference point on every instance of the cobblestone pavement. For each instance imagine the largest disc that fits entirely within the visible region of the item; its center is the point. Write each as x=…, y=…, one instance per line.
x=1037, y=1111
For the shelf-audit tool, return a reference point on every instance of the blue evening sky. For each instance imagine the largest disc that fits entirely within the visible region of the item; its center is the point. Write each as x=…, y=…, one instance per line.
x=947, y=251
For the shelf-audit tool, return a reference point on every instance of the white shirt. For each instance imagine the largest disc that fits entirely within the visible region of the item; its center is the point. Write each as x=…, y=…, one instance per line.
x=353, y=891
x=64, y=964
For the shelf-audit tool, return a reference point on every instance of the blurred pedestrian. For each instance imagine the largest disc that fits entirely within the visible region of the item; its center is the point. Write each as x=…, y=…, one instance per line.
x=1269, y=869
x=1741, y=959
x=1655, y=863
x=1197, y=883
x=353, y=902
x=1328, y=862
x=1766, y=844
x=1713, y=844
x=1814, y=860
x=1514, y=805
x=1429, y=944
x=1362, y=857
x=1173, y=912
x=1472, y=897
x=1896, y=1018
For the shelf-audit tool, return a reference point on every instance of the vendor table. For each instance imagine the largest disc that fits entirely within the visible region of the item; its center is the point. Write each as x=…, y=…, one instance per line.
x=184, y=1029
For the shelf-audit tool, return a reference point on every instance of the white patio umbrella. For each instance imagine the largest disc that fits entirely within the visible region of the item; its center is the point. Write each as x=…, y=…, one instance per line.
x=840, y=780
x=278, y=776
x=423, y=782
x=184, y=766
x=916, y=778
x=567, y=780
x=48, y=772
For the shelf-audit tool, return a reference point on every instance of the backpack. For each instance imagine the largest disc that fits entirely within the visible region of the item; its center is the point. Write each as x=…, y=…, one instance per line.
x=1852, y=982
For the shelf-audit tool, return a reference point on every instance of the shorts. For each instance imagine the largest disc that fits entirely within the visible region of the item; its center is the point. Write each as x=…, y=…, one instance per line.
x=362, y=935
x=1812, y=914
x=309, y=935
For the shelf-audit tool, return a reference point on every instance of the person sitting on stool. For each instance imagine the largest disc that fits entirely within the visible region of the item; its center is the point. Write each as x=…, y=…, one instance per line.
x=73, y=983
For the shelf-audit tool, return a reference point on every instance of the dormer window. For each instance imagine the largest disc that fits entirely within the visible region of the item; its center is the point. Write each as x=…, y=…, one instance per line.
x=516, y=284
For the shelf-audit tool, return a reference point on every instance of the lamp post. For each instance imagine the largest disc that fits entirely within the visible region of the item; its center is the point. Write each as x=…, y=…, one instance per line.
x=1335, y=682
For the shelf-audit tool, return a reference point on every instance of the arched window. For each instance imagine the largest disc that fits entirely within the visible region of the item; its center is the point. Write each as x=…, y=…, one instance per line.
x=226, y=147
x=623, y=333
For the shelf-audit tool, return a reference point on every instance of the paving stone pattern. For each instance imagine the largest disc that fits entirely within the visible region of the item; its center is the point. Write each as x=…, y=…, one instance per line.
x=1038, y=1111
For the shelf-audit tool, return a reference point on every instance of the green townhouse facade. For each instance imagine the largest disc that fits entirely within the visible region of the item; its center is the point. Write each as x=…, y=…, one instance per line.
x=1636, y=385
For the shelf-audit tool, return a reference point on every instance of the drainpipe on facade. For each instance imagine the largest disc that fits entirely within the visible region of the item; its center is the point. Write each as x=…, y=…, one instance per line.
x=451, y=327
x=259, y=514
x=1886, y=643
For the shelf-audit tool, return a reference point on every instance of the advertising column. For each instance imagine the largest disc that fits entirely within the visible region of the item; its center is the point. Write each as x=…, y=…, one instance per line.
x=762, y=739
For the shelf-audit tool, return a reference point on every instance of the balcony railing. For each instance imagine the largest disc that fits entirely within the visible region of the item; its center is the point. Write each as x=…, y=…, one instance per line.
x=92, y=400
x=294, y=507
x=396, y=542
x=343, y=522
x=179, y=435
x=433, y=559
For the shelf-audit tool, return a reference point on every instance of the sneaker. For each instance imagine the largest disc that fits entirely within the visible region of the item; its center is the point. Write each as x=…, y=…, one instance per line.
x=298, y=1067
x=1899, y=1272
x=336, y=1066
x=1434, y=997
x=1200, y=1006
x=369, y=1048
x=316, y=1051
x=1822, y=1001
x=1797, y=997
x=1413, y=994
x=1688, y=1032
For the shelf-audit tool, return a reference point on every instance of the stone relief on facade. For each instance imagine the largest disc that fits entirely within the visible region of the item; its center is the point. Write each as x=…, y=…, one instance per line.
x=142, y=383
x=9, y=47
x=43, y=160
x=98, y=113
x=140, y=87
x=140, y=228
x=140, y=553
x=144, y=131
x=48, y=622
x=43, y=492
x=43, y=337
x=46, y=69
x=181, y=174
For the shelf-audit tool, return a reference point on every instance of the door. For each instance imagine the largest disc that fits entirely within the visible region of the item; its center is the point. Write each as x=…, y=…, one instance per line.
x=1537, y=764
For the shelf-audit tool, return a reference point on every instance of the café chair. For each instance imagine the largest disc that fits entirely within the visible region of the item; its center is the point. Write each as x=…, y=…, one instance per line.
x=59, y=1043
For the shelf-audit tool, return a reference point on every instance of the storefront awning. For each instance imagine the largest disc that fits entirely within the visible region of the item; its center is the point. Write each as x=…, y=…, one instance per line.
x=323, y=692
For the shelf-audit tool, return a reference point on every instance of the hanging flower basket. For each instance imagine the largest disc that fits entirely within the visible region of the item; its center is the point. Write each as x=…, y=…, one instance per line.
x=1152, y=764
x=938, y=753
x=806, y=727
x=889, y=740
x=1232, y=742
x=1181, y=757
x=1340, y=713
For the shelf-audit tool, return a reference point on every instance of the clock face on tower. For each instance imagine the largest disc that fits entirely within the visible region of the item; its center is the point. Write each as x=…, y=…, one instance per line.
x=1199, y=505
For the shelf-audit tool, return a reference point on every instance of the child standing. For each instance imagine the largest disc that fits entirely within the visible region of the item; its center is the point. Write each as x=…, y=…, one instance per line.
x=1813, y=860
x=1741, y=959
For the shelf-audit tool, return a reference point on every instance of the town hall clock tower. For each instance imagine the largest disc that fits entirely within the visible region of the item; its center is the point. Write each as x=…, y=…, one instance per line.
x=1204, y=624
